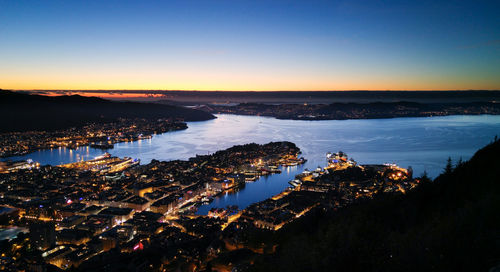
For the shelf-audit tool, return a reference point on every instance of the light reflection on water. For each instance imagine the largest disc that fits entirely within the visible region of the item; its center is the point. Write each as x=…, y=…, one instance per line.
x=424, y=143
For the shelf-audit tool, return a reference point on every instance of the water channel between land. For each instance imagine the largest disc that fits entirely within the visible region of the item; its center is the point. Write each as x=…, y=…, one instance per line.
x=422, y=142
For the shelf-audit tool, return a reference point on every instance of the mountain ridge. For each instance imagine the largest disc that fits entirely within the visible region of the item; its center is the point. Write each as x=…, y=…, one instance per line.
x=26, y=112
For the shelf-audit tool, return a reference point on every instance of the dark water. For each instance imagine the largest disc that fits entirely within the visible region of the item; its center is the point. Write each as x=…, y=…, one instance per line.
x=11, y=233
x=424, y=143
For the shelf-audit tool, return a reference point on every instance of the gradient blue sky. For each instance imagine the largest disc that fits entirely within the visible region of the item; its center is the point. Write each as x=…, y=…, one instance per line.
x=250, y=45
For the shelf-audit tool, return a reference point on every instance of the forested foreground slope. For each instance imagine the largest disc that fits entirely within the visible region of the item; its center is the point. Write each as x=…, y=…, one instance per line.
x=449, y=224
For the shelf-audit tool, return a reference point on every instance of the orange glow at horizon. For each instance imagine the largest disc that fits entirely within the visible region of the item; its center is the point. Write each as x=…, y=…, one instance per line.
x=110, y=94
x=224, y=80
x=267, y=85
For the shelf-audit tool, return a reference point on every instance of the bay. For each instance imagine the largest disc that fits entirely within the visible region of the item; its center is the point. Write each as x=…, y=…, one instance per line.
x=424, y=143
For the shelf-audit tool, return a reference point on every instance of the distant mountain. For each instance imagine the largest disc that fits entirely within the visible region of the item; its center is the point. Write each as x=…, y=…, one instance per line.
x=449, y=224
x=291, y=97
x=325, y=97
x=24, y=112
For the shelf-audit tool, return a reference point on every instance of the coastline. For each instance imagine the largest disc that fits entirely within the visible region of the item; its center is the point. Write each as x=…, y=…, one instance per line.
x=347, y=111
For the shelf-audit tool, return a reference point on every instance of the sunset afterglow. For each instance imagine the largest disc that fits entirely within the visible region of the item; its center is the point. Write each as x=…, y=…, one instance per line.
x=249, y=45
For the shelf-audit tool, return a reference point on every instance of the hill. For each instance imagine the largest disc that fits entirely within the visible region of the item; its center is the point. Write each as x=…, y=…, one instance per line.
x=24, y=112
x=341, y=111
x=449, y=224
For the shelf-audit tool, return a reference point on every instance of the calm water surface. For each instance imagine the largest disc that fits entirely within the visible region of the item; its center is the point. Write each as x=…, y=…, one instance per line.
x=423, y=143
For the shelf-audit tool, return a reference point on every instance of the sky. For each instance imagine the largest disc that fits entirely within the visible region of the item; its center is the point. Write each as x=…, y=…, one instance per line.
x=249, y=45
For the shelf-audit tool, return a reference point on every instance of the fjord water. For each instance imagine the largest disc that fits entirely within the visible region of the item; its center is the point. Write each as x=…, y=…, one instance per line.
x=423, y=143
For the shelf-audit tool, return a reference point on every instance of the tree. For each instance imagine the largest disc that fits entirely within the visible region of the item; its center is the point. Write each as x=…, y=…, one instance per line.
x=449, y=167
x=424, y=178
x=410, y=171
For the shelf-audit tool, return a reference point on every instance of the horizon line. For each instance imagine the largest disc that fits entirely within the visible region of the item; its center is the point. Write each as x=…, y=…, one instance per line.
x=193, y=90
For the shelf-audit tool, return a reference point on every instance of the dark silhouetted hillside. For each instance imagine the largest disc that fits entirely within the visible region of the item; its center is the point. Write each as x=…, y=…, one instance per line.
x=341, y=111
x=450, y=224
x=23, y=112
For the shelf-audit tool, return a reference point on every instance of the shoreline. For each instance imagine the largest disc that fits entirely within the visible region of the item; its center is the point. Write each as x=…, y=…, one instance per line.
x=348, y=111
x=5, y=158
x=73, y=138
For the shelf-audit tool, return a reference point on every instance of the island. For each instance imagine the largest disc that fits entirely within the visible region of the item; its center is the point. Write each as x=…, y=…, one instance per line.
x=343, y=111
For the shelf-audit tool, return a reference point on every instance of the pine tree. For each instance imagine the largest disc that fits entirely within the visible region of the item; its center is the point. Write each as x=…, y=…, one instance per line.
x=424, y=179
x=449, y=167
x=425, y=175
